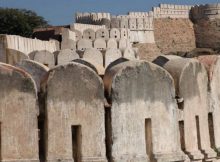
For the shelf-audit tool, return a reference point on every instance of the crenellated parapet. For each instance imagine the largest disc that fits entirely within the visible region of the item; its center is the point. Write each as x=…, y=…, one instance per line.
x=92, y=18
x=82, y=27
x=140, y=14
x=210, y=11
x=133, y=23
x=171, y=11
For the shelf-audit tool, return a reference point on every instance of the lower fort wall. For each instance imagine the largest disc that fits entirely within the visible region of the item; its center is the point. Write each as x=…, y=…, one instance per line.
x=24, y=45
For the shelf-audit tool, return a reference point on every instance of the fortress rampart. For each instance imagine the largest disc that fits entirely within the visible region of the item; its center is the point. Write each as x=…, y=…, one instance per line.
x=82, y=27
x=210, y=11
x=94, y=100
x=171, y=11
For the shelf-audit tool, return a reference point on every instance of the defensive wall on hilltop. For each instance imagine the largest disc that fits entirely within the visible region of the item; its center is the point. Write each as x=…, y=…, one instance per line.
x=210, y=11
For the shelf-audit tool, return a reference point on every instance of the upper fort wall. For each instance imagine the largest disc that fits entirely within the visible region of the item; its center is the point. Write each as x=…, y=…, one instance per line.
x=211, y=11
x=82, y=27
x=171, y=11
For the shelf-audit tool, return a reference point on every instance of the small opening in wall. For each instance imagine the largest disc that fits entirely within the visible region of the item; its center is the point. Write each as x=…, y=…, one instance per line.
x=148, y=138
x=41, y=140
x=211, y=130
x=198, y=133
x=76, y=142
x=182, y=137
x=90, y=37
x=115, y=36
x=46, y=64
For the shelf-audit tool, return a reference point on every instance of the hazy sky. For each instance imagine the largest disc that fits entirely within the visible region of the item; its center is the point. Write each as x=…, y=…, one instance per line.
x=61, y=12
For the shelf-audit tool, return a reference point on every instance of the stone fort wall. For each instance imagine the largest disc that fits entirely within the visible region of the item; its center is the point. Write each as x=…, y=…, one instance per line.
x=210, y=11
x=129, y=109
x=207, y=25
x=24, y=45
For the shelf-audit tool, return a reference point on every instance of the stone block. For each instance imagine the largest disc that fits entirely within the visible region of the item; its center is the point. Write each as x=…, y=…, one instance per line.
x=127, y=85
x=191, y=82
x=115, y=33
x=75, y=115
x=94, y=56
x=112, y=43
x=100, y=44
x=89, y=34
x=112, y=55
x=14, y=56
x=102, y=33
x=37, y=70
x=84, y=44
x=18, y=104
x=44, y=57
x=129, y=54
x=66, y=56
x=124, y=33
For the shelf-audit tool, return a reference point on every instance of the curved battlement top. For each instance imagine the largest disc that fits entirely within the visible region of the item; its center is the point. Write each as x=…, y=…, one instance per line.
x=93, y=16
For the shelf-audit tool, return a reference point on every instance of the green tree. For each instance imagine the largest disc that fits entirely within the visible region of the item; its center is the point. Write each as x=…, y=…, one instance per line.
x=20, y=21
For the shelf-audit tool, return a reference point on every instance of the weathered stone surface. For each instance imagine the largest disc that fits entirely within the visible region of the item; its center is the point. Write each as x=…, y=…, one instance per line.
x=14, y=56
x=112, y=55
x=172, y=35
x=94, y=56
x=89, y=34
x=212, y=64
x=191, y=82
x=115, y=23
x=116, y=62
x=78, y=34
x=207, y=33
x=66, y=56
x=112, y=43
x=102, y=33
x=18, y=106
x=84, y=44
x=78, y=104
x=100, y=44
x=129, y=54
x=44, y=57
x=124, y=23
x=99, y=69
x=37, y=70
x=115, y=33
x=68, y=39
x=132, y=24
x=148, y=51
x=143, y=111
x=123, y=44
x=124, y=33
x=24, y=45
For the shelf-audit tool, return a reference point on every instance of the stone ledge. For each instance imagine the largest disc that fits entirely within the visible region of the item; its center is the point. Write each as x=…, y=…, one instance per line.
x=196, y=155
x=134, y=158
x=169, y=157
x=21, y=160
x=84, y=159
